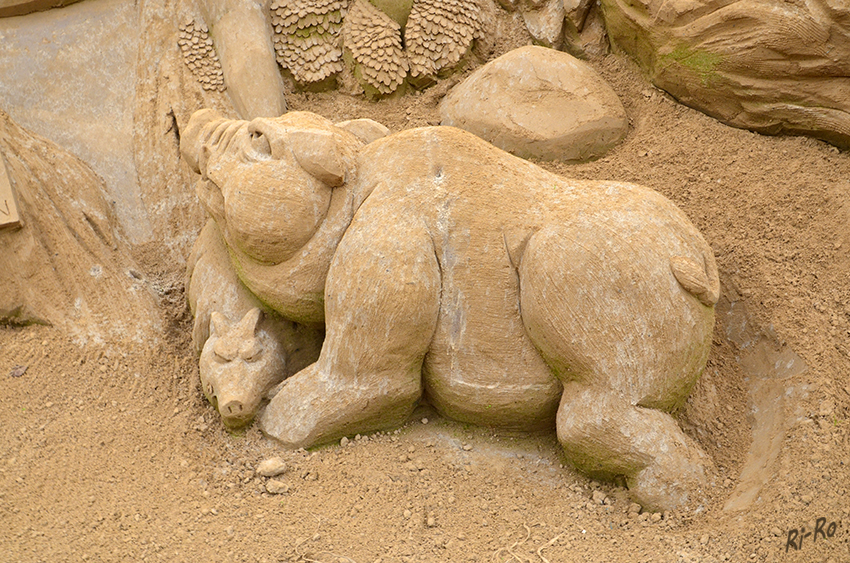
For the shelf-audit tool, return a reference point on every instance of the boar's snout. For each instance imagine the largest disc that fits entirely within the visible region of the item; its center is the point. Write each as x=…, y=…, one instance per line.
x=235, y=413
x=221, y=385
x=195, y=134
x=232, y=408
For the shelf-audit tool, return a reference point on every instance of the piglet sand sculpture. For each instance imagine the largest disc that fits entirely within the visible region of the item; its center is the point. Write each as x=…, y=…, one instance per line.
x=444, y=267
x=245, y=349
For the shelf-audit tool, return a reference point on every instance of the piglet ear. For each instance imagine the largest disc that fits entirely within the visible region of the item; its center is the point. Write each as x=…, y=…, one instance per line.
x=218, y=324
x=319, y=153
x=247, y=327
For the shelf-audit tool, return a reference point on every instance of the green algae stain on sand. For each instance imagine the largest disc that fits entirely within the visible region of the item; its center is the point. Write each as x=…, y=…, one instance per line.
x=700, y=62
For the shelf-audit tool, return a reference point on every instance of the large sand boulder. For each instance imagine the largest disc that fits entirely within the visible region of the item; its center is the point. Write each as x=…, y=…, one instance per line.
x=772, y=66
x=546, y=23
x=540, y=103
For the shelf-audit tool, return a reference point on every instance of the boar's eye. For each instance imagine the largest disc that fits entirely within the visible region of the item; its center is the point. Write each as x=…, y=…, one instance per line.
x=260, y=144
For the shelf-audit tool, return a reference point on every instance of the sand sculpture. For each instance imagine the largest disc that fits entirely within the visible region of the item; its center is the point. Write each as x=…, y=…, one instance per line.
x=199, y=55
x=242, y=39
x=443, y=266
x=439, y=34
x=307, y=38
x=770, y=66
x=245, y=349
x=786, y=74
x=64, y=260
x=373, y=45
x=315, y=40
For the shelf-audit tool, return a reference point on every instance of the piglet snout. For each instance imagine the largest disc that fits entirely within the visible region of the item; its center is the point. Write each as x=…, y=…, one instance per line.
x=231, y=408
x=235, y=412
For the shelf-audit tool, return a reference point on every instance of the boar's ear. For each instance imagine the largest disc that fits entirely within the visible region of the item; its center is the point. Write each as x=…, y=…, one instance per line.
x=319, y=153
x=366, y=130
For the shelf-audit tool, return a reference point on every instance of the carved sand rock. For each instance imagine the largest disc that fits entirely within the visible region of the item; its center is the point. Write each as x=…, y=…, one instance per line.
x=65, y=261
x=772, y=66
x=575, y=26
x=541, y=103
x=443, y=266
x=546, y=23
x=245, y=349
x=307, y=37
x=199, y=55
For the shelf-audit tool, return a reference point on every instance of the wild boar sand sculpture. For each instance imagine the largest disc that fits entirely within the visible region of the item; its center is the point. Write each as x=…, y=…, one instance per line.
x=444, y=267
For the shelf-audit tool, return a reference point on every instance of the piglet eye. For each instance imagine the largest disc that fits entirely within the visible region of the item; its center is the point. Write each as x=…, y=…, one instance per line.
x=251, y=350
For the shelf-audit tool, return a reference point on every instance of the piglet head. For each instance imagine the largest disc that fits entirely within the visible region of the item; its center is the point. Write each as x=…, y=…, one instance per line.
x=238, y=365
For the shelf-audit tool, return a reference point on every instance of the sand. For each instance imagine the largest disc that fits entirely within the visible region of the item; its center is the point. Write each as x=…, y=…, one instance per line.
x=112, y=454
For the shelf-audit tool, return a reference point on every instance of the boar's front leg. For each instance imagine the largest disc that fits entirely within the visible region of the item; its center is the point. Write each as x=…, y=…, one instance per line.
x=381, y=307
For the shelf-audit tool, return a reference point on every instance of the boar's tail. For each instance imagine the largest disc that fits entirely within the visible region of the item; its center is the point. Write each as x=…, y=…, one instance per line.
x=701, y=280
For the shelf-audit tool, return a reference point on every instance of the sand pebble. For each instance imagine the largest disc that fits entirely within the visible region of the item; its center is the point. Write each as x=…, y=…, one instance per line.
x=271, y=467
x=276, y=487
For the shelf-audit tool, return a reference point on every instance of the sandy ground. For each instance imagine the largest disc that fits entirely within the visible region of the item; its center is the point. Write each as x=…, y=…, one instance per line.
x=111, y=453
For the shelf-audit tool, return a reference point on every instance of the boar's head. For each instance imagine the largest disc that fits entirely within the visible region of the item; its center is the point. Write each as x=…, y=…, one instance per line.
x=279, y=190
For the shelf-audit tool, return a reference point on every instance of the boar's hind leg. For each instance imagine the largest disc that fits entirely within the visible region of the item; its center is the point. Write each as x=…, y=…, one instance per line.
x=605, y=436
x=602, y=333
x=381, y=307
